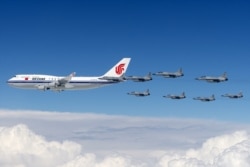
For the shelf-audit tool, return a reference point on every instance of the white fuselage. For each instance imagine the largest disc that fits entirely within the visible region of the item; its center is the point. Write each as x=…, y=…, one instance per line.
x=37, y=81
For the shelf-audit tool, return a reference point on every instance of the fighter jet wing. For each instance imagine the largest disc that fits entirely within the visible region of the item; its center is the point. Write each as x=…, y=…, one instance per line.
x=213, y=80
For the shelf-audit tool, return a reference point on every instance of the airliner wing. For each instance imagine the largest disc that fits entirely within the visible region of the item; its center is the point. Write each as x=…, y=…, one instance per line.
x=65, y=80
x=57, y=84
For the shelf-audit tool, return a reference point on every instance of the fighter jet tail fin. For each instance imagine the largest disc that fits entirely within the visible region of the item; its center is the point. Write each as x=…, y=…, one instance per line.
x=180, y=72
x=147, y=92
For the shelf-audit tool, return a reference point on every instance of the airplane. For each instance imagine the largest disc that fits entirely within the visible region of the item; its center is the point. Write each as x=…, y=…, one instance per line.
x=233, y=96
x=145, y=93
x=212, y=79
x=179, y=73
x=182, y=96
x=70, y=82
x=205, y=99
x=140, y=79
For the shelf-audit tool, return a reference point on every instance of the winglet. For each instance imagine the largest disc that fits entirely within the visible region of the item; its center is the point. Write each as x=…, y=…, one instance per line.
x=67, y=78
x=70, y=76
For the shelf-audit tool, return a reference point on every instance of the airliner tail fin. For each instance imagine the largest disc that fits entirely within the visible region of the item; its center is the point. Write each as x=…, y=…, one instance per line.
x=119, y=69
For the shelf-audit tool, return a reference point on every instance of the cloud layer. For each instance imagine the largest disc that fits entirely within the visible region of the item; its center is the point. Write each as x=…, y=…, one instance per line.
x=21, y=147
x=230, y=150
x=51, y=139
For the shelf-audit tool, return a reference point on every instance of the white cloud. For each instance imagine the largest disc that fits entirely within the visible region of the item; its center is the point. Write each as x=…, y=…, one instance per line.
x=89, y=160
x=215, y=146
x=21, y=147
x=94, y=140
x=237, y=155
x=230, y=150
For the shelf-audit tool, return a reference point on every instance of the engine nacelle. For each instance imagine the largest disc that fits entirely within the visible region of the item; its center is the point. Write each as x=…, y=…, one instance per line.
x=53, y=84
x=43, y=87
x=48, y=86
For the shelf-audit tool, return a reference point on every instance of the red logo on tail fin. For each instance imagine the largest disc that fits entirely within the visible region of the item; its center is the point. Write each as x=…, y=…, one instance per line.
x=119, y=69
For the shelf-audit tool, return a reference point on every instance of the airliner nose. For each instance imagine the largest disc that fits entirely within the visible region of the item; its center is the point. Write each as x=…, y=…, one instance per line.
x=9, y=82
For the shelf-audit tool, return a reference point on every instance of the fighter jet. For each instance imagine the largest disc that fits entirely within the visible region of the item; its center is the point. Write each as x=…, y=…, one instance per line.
x=233, y=96
x=182, y=96
x=210, y=79
x=139, y=79
x=179, y=73
x=205, y=99
x=145, y=93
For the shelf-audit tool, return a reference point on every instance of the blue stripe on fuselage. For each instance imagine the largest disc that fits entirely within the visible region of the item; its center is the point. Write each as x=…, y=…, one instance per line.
x=73, y=82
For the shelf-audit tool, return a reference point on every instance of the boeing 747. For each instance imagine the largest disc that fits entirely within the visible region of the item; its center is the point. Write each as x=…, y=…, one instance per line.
x=71, y=82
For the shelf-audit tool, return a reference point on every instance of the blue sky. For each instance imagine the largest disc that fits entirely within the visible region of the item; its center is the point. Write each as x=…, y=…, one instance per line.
x=89, y=37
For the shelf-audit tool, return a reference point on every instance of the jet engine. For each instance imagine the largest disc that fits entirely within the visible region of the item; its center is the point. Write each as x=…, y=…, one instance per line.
x=43, y=87
x=53, y=84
